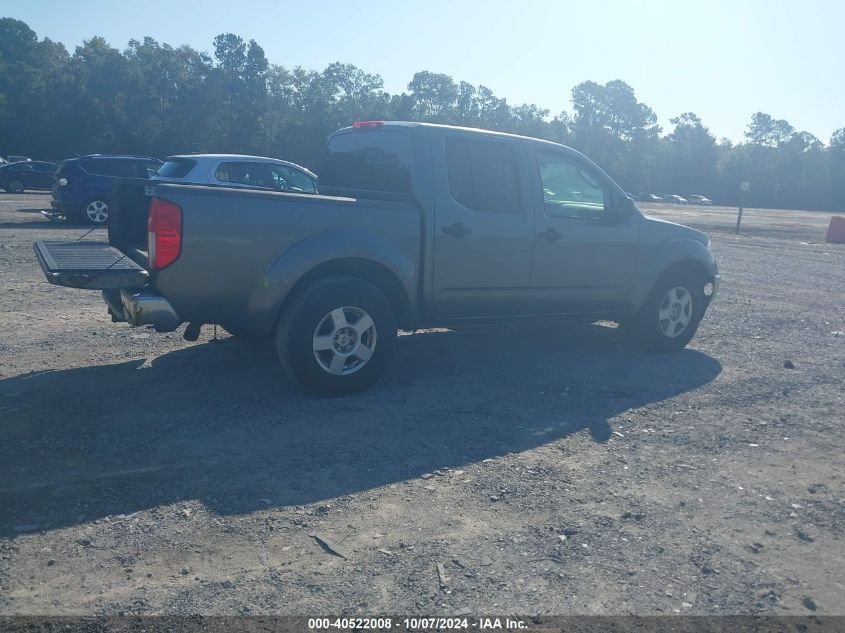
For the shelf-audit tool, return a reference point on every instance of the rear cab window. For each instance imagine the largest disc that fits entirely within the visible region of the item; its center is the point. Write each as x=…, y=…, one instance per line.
x=367, y=162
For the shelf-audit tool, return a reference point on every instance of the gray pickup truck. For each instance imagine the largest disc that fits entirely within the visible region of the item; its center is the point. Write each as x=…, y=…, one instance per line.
x=416, y=225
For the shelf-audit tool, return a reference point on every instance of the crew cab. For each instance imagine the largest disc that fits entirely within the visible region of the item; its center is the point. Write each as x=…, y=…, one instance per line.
x=415, y=225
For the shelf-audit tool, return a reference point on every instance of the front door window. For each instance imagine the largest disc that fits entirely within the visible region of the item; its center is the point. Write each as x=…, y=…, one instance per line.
x=569, y=191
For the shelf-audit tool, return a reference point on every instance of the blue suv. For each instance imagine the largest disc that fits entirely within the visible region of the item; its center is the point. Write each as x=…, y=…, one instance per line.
x=83, y=185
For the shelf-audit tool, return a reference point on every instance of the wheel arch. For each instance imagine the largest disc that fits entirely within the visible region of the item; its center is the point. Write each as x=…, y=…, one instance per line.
x=680, y=255
x=368, y=270
x=351, y=252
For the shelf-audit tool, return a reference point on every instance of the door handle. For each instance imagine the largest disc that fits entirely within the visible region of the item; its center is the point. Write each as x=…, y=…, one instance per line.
x=457, y=230
x=550, y=235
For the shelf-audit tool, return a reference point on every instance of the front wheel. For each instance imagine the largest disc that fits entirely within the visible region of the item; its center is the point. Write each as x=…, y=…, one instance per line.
x=15, y=186
x=670, y=316
x=337, y=336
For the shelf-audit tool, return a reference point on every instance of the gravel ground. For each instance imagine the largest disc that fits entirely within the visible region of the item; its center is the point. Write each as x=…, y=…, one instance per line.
x=548, y=470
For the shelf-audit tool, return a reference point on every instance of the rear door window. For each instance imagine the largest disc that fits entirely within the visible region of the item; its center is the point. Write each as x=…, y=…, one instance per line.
x=101, y=167
x=483, y=175
x=368, y=160
x=118, y=167
x=251, y=174
x=96, y=167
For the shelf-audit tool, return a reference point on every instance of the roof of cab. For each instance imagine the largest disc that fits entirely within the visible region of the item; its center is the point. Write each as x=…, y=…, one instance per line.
x=375, y=125
x=457, y=128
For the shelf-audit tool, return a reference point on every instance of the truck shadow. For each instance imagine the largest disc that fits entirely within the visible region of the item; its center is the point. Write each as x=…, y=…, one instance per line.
x=218, y=423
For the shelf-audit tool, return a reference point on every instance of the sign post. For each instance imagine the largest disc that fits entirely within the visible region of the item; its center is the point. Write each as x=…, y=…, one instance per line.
x=744, y=188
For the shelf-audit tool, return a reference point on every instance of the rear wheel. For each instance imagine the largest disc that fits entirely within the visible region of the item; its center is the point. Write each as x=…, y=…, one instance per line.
x=670, y=316
x=337, y=336
x=15, y=186
x=95, y=212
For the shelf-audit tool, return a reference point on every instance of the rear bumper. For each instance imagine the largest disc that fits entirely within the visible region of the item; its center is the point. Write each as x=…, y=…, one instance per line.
x=142, y=308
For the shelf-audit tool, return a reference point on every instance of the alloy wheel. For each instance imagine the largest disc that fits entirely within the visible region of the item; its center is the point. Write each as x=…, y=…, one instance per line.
x=97, y=211
x=675, y=311
x=344, y=340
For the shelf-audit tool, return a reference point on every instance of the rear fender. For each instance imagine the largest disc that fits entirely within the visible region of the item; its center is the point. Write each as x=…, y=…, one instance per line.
x=282, y=274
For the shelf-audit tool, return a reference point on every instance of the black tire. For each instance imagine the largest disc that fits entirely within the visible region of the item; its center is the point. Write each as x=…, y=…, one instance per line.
x=653, y=332
x=84, y=216
x=310, y=309
x=15, y=186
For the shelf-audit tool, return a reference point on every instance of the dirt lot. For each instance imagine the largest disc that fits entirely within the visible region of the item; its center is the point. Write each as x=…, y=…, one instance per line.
x=549, y=470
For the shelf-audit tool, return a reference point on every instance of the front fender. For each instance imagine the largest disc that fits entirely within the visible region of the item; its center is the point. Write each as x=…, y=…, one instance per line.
x=662, y=258
x=282, y=274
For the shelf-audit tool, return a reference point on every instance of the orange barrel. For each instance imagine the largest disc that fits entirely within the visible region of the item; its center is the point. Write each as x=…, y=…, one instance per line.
x=836, y=230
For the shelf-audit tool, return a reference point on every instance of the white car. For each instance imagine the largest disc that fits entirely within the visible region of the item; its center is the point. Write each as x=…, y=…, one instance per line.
x=699, y=200
x=236, y=170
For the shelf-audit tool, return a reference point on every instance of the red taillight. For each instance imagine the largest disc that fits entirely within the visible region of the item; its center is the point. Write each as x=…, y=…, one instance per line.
x=360, y=124
x=164, y=233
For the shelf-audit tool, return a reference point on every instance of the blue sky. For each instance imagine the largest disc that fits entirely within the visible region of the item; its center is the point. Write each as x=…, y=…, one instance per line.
x=721, y=59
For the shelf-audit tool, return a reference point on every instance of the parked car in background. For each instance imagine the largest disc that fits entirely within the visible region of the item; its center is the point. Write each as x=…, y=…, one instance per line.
x=699, y=200
x=83, y=185
x=650, y=197
x=235, y=170
x=31, y=174
x=674, y=199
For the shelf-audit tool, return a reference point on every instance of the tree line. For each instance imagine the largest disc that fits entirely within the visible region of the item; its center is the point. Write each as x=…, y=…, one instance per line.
x=155, y=99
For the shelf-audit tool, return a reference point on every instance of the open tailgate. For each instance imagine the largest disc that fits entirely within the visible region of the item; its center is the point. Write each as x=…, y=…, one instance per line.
x=91, y=265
